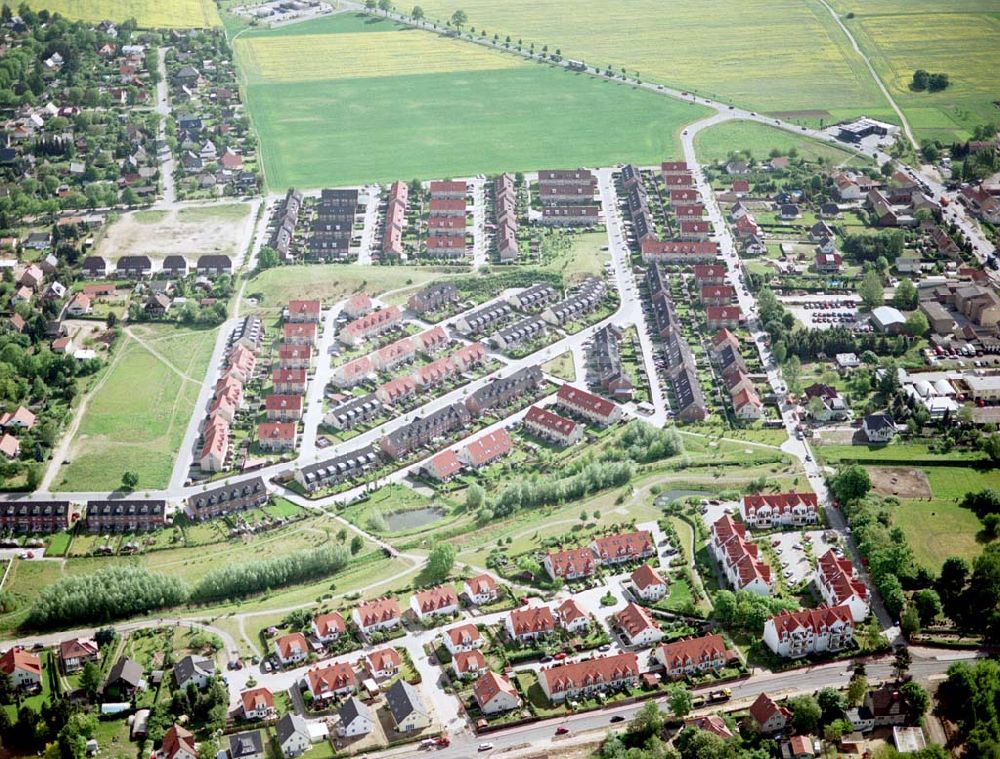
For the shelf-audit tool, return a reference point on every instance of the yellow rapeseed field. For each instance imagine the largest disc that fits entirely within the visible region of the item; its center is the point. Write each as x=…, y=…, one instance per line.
x=773, y=55
x=181, y=14
x=314, y=57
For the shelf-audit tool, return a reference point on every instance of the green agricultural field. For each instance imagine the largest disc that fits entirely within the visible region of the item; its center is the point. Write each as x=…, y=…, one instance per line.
x=938, y=529
x=775, y=56
x=136, y=418
x=718, y=142
x=341, y=106
x=961, y=39
x=149, y=14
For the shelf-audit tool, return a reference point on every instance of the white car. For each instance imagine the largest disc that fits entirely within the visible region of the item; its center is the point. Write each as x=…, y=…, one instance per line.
x=485, y=747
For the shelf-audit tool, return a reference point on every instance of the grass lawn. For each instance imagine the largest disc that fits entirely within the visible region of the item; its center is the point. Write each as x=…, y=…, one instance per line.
x=961, y=39
x=378, y=113
x=938, y=529
x=331, y=282
x=26, y=578
x=228, y=212
x=914, y=452
x=148, y=13
x=574, y=256
x=717, y=142
x=786, y=55
x=561, y=366
x=137, y=417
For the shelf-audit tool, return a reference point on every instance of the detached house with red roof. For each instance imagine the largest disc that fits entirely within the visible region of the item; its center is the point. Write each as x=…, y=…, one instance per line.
x=257, y=703
x=178, y=743
x=648, y=584
x=442, y=600
x=495, y=694
x=292, y=648
x=22, y=667
x=530, y=623
x=462, y=638
x=443, y=466
x=373, y=616
x=570, y=564
x=637, y=626
x=584, y=678
x=795, y=634
x=332, y=681
x=328, y=627
x=384, y=663
x=839, y=585
x=694, y=655
x=766, y=510
x=481, y=589
x=77, y=652
x=768, y=716
x=572, y=618
x=469, y=664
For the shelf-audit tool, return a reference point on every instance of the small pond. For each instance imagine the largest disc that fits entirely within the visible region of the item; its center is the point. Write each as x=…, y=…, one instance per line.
x=401, y=521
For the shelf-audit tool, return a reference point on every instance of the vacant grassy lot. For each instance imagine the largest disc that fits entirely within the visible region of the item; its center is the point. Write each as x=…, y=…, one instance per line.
x=136, y=419
x=331, y=282
x=718, y=142
x=181, y=14
x=938, y=529
x=785, y=55
x=347, y=107
x=961, y=39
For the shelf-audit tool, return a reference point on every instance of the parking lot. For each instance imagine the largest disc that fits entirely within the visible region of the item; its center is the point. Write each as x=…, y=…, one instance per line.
x=790, y=548
x=824, y=314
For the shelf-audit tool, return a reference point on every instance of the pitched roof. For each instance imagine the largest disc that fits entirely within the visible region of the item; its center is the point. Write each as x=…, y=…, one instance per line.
x=379, y=610
x=534, y=619
x=596, y=671
x=439, y=597
x=256, y=699
x=291, y=644
x=333, y=677
x=681, y=653
x=354, y=709
x=76, y=648
x=462, y=635
x=571, y=562
x=634, y=619
x=177, y=739
x=489, y=447
x=403, y=699
x=289, y=725
x=384, y=660
x=329, y=623
x=470, y=661
x=489, y=685
x=18, y=658
x=764, y=708
x=623, y=545
x=588, y=401
x=645, y=576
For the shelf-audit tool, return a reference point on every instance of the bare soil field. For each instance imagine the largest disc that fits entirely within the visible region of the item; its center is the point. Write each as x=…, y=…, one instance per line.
x=219, y=229
x=900, y=481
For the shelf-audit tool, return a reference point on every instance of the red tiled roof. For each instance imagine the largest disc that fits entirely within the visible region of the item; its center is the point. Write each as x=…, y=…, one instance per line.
x=384, y=660
x=256, y=699
x=489, y=447
x=482, y=584
x=470, y=661
x=379, y=610
x=682, y=653
x=275, y=402
x=588, y=401
x=724, y=313
x=590, y=672
x=624, y=544
x=764, y=708
x=779, y=502
x=289, y=644
x=304, y=308
x=462, y=635
x=812, y=619
x=548, y=420
x=645, y=576
x=634, y=619
x=572, y=562
x=330, y=623
x=18, y=658
x=534, y=619
x=840, y=576
x=489, y=685
x=330, y=678
x=445, y=464
x=436, y=598
x=569, y=610
x=276, y=431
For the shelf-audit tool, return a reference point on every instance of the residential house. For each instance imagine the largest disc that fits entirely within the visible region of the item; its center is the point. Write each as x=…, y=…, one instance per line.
x=486, y=449
x=407, y=708
x=292, y=648
x=552, y=427
x=570, y=564
x=356, y=718
x=374, y=616
x=22, y=667
x=768, y=716
x=585, y=678
x=740, y=559
x=383, y=663
x=194, y=670
x=469, y=664
x=125, y=516
x=292, y=732
x=591, y=407
x=495, y=694
x=437, y=601
x=766, y=510
x=624, y=547
x=813, y=631
x=125, y=678
x=648, y=584
x=35, y=516
x=637, y=626
x=878, y=428
x=246, y=745
x=463, y=637
x=75, y=653
x=433, y=298
x=329, y=627
x=276, y=436
x=503, y=391
x=529, y=623
x=257, y=703
x=572, y=618
x=178, y=743
x=831, y=406
x=839, y=585
x=691, y=656
x=481, y=589
x=443, y=466
x=331, y=681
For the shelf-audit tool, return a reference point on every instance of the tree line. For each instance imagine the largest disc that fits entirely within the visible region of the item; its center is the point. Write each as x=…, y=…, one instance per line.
x=119, y=592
